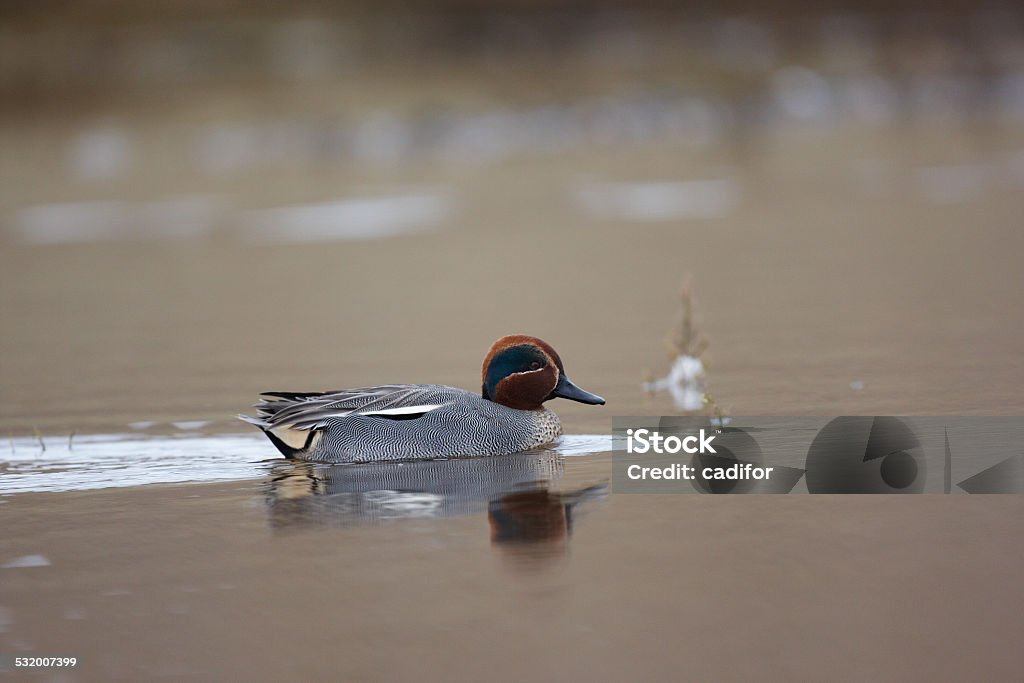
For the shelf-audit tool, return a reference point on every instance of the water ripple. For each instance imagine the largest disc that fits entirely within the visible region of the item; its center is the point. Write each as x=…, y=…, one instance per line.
x=100, y=461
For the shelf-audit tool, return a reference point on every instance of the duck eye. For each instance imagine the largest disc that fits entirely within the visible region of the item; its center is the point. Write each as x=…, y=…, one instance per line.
x=535, y=365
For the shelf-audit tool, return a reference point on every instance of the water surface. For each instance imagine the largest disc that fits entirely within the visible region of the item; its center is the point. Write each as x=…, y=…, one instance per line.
x=97, y=461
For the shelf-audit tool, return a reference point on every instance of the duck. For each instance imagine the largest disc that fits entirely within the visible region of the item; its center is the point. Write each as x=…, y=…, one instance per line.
x=395, y=422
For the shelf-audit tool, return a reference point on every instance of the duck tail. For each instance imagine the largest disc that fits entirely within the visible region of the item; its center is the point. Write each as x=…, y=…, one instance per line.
x=256, y=421
x=288, y=451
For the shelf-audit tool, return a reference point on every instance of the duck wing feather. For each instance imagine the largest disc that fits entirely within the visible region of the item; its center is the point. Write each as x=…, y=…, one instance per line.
x=310, y=410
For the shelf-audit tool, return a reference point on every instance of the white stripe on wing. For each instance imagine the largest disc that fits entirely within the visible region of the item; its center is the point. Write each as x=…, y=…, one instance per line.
x=404, y=410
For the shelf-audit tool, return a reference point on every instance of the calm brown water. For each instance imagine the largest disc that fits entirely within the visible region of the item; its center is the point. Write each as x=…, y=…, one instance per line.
x=806, y=285
x=200, y=583
x=838, y=268
x=803, y=289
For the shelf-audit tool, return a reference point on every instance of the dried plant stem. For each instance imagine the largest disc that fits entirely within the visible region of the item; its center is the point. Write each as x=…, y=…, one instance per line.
x=685, y=339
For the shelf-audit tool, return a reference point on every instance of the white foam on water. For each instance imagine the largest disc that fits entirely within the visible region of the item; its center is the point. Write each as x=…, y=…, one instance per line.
x=26, y=561
x=185, y=217
x=70, y=222
x=193, y=217
x=659, y=201
x=182, y=217
x=97, y=461
x=190, y=425
x=365, y=218
x=583, y=444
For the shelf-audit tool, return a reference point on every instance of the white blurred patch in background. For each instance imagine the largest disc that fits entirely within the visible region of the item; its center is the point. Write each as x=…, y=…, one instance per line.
x=803, y=95
x=658, y=201
x=102, y=153
x=96, y=221
x=685, y=382
x=364, y=218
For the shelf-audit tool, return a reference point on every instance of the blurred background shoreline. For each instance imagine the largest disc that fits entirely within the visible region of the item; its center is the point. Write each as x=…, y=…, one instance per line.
x=93, y=95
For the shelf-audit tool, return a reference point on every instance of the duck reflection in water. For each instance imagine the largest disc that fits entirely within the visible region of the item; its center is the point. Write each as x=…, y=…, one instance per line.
x=513, y=490
x=536, y=524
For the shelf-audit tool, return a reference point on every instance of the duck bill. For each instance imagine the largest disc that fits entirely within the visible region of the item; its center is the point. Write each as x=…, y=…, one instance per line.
x=566, y=389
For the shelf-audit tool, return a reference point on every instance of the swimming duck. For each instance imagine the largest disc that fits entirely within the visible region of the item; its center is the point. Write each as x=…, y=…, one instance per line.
x=421, y=421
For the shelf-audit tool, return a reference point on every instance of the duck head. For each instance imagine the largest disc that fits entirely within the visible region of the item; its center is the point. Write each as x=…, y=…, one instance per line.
x=522, y=372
